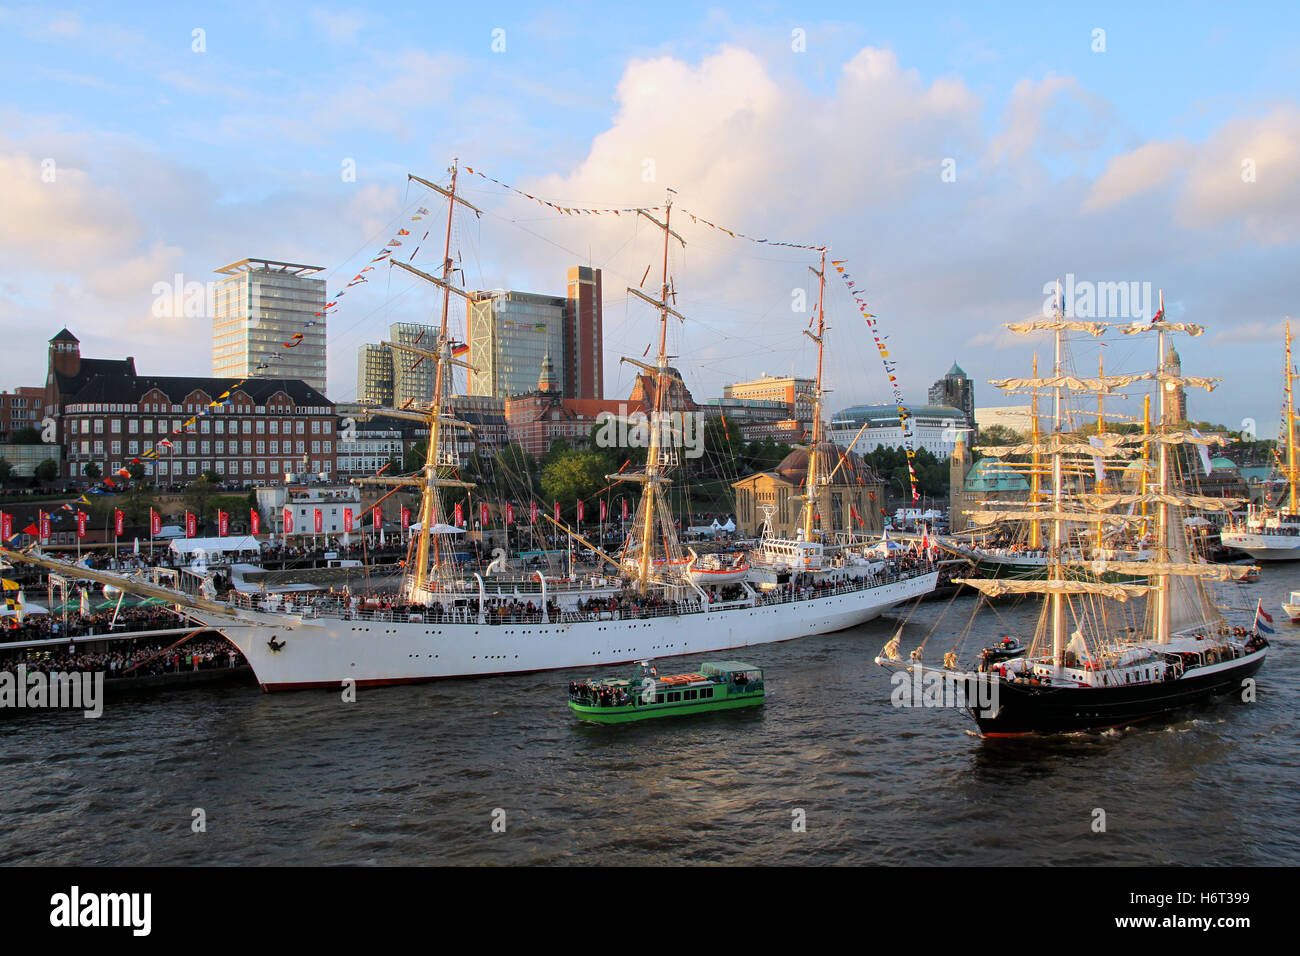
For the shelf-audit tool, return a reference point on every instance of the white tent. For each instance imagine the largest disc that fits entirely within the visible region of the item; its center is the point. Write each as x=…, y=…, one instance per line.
x=215, y=547
x=438, y=529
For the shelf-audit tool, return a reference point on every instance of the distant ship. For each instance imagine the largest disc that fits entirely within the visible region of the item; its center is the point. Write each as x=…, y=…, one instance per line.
x=1273, y=534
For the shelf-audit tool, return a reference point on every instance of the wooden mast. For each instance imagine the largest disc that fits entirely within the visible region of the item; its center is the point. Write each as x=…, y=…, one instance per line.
x=811, y=486
x=1290, y=426
x=1035, y=478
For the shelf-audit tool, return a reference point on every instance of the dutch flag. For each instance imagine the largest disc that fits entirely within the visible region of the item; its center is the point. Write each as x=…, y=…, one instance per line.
x=1262, y=616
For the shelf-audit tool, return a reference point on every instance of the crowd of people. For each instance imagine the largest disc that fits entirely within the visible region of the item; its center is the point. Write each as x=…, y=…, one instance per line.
x=40, y=627
x=130, y=659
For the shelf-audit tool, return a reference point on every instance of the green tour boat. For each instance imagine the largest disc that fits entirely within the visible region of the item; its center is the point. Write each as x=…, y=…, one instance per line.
x=720, y=685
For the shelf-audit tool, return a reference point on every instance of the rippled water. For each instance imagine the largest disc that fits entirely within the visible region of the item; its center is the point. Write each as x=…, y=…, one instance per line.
x=412, y=775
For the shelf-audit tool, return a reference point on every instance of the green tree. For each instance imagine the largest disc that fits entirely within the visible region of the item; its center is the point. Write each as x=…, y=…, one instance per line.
x=25, y=436
x=198, y=497
x=6, y=470
x=998, y=435
x=91, y=471
x=211, y=477
x=573, y=476
x=136, y=470
x=47, y=470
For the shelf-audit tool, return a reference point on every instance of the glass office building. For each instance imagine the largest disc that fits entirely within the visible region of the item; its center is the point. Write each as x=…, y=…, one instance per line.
x=259, y=305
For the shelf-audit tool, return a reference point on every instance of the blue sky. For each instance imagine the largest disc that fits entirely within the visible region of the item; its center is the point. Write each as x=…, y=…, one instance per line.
x=1120, y=165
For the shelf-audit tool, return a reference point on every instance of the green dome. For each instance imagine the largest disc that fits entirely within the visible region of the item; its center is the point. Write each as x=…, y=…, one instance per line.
x=989, y=476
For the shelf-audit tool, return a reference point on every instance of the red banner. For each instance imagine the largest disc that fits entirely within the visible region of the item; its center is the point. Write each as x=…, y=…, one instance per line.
x=223, y=523
x=557, y=511
x=510, y=513
x=406, y=516
x=288, y=521
x=119, y=521
x=81, y=524
x=43, y=520
x=155, y=522
x=317, y=520
x=624, y=509
x=191, y=525
x=254, y=521
x=458, y=520
x=532, y=512
x=377, y=518
x=6, y=526
x=604, y=512
x=347, y=519
x=483, y=516
x=580, y=509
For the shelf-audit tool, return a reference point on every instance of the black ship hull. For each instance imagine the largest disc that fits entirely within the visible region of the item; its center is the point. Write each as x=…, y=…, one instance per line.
x=1044, y=709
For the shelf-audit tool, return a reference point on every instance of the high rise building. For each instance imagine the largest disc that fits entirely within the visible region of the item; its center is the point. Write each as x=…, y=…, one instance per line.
x=510, y=334
x=375, y=375
x=584, y=355
x=956, y=390
x=258, y=308
x=412, y=374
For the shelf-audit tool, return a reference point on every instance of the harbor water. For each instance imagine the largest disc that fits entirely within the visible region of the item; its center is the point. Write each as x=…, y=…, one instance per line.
x=496, y=771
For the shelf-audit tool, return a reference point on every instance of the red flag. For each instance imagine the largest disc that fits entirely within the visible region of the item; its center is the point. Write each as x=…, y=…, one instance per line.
x=44, y=521
x=482, y=513
x=155, y=522
x=6, y=526
x=377, y=518
x=624, y=509
x=32, y=530
x=118, y=521
x=317, y=520
x=510, y=513
x=347, y=519
x=532, y=512
x=557, y=511
x=406, y=516
x=603, y=510
x=191, y=525
x=254, y=521
x=288, y=521
x=81, y=524
x=459, y=519
x=579, y=511
x=223, y=523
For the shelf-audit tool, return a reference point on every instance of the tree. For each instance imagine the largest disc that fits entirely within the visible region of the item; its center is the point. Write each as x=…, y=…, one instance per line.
x=136, y=470
x=91, y=471
x=211, y=477
x=25, y=436
x=199, y=497
x=47, y=470
x=6, y=470
x=573, y=476
x=998, y=435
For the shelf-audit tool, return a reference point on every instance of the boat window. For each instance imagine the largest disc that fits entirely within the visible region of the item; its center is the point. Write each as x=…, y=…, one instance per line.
x=659, y=698
x=689, y=695
x=674, y=696
x=706, y=692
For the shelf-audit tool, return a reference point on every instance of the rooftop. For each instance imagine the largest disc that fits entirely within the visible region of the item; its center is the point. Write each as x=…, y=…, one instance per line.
x=267, y=265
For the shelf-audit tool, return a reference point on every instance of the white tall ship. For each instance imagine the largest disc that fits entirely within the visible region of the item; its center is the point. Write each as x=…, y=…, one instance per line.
x=1273, y=534
x=648, y=603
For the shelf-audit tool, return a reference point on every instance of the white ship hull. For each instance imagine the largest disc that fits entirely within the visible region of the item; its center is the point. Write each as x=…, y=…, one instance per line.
x=1263, y=546
x=324, y=651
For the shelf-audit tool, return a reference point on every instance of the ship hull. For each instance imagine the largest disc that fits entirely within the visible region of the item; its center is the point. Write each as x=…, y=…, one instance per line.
x=325, y=651
x=1264, y=547
x=1053, y=710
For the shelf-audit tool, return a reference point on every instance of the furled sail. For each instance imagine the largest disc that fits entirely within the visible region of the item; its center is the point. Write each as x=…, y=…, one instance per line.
x=996, y=587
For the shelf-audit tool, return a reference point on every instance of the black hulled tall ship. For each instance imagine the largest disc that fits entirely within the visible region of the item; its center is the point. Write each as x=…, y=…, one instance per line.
x=1104, y=653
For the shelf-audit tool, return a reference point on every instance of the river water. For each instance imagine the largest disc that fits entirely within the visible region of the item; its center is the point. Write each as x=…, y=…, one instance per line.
x=419, y=775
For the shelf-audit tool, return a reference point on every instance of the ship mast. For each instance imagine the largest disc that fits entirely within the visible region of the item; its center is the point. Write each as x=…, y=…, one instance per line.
x=1163, y=594
x=1055, y=569
x=813, y=487
x=1290, y=426
x=1035, y=476
x=656, y=457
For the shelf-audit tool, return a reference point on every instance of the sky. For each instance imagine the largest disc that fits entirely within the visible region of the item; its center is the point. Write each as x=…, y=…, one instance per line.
x=961, y=159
